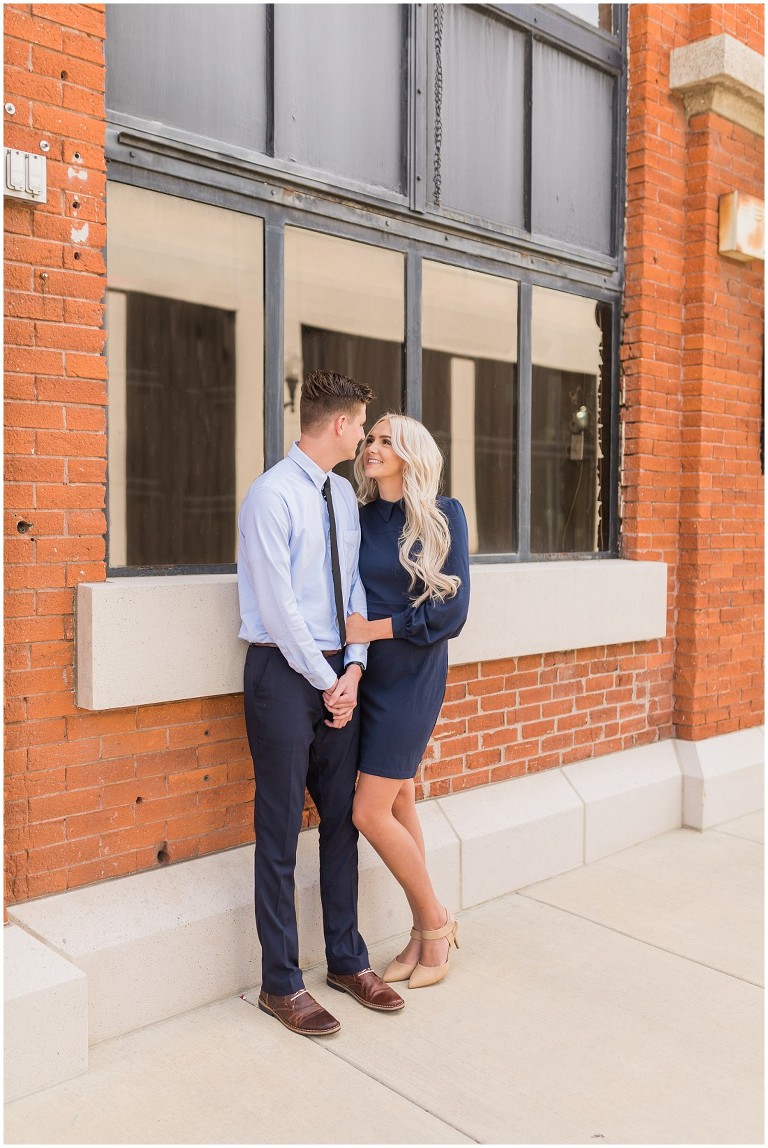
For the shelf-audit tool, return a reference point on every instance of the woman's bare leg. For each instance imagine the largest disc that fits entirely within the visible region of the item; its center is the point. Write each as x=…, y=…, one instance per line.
x=404, y=809
x=398, y=840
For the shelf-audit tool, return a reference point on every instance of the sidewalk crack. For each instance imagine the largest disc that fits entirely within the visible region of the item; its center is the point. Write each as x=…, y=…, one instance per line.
x=640, y=940
x=403, y=1095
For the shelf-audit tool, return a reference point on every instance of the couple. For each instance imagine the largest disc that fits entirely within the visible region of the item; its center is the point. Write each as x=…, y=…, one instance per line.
x=331, y=594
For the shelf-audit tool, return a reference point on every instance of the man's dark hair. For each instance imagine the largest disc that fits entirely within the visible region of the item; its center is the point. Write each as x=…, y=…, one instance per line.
x=326, y=395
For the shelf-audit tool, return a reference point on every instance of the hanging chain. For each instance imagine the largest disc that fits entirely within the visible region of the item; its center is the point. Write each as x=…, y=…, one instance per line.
x=439, y=12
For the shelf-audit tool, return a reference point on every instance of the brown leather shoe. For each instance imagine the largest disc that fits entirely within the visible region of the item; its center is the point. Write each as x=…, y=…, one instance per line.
x=300, y=1013
x=367, y=988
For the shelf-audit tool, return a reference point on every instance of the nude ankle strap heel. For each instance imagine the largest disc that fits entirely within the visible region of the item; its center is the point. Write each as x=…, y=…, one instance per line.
x=424, y=975
x=396, y=970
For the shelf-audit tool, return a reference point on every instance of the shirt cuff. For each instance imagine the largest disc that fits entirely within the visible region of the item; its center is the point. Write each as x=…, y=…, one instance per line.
x=356, y=653
x=325, y=685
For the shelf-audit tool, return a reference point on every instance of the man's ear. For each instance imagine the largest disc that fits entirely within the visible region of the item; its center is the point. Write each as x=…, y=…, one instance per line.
x=339, y=424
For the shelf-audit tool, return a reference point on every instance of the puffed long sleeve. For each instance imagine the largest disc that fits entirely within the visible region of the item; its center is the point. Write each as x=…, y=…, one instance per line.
x=433, y=621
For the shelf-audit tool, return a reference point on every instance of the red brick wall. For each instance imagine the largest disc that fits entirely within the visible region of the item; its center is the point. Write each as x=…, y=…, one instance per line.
x=96, y=795
x=692, y=483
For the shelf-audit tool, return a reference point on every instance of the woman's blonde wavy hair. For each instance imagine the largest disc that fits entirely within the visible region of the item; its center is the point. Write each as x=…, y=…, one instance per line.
x=426, y=538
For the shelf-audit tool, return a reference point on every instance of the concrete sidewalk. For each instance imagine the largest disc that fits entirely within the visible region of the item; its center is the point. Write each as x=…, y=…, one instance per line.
x=618, y=1003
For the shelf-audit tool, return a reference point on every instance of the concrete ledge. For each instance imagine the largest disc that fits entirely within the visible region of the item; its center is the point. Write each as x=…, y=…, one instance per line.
x=46, y=1016
x=723, y=777
x=156, y=944
x=515, y=833
x=722, y=75
x=628, y=797
x=142, y=640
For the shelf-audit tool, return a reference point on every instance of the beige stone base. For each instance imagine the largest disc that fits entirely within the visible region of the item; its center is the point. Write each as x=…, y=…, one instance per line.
x=157, y=944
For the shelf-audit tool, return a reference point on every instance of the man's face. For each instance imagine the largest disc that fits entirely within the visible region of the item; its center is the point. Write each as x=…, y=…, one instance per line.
x=353, y=431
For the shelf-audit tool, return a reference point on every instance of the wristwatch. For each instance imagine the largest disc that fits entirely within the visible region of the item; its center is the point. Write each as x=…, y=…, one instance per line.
x=360, y=664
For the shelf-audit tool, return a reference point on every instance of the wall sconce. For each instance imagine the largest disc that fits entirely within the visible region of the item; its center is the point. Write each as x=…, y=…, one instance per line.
x=292, y=376
x=742, y=227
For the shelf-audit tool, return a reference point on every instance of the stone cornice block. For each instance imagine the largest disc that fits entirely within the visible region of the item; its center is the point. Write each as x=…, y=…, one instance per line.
x=722, y=75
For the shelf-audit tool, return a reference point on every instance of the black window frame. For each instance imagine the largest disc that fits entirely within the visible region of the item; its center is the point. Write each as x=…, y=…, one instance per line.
x=175, y=163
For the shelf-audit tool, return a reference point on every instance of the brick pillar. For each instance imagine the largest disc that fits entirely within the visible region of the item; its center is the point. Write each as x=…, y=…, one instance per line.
x=719, y=625
x=55, y=390
x=691, y=481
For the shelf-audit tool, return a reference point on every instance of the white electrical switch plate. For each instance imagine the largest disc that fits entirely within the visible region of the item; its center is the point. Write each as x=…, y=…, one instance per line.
x=25, y=176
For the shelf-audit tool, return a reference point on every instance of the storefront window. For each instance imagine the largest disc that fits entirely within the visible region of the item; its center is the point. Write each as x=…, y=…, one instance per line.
x=185, y=353
x=344, y=311
x=569, y=423
x=409, y=176
x=469, y=396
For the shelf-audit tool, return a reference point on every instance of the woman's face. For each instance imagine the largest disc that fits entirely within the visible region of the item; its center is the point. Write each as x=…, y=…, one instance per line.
x=379, y=458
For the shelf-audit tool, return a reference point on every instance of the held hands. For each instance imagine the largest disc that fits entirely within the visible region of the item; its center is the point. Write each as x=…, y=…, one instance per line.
x=340, y=700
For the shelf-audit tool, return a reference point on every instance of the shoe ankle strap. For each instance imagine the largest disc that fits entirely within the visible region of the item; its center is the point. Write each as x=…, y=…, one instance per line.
x=438, y=934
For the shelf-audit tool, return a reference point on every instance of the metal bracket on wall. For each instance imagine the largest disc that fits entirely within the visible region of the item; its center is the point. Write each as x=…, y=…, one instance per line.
x=25, y=176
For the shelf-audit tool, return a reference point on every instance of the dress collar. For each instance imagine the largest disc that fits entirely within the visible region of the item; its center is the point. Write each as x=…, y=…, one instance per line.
x=387, y=509
x=310, y=468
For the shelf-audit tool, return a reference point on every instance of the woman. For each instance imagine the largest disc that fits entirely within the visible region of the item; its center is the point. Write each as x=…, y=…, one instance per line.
x=414, y=564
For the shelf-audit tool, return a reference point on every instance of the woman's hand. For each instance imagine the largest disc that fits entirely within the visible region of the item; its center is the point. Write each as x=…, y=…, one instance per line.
x=361, y=631
x=358, y=629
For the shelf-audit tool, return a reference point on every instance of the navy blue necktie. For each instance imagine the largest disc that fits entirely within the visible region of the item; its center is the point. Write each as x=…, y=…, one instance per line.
x=335, y=568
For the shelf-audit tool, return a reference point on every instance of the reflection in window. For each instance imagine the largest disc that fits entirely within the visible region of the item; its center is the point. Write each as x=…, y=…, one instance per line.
x=345, y=312
x=469, y=396
x=599, y=15
x=569, y=422
x=185, y=355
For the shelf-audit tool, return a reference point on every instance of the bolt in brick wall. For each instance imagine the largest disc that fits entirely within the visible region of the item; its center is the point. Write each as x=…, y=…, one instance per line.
x=97, y=795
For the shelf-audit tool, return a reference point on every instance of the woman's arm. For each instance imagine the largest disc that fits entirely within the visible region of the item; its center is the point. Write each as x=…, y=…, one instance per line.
x=359, y=629
x=432, y=621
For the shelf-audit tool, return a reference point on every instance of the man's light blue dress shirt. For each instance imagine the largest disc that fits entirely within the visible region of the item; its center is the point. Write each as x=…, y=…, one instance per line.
x=284, y=577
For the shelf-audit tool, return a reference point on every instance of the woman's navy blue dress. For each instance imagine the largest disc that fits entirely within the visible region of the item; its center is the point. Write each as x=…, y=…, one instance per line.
x=403, y=687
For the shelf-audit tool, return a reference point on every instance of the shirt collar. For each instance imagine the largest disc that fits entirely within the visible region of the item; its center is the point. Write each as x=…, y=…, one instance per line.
x=386, y=509
x=310, y=468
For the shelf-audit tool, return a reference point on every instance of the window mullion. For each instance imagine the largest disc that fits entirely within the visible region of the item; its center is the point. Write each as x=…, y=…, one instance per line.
x=274, y=312
x=417, y=108
x=524, y=420
x=412, y=373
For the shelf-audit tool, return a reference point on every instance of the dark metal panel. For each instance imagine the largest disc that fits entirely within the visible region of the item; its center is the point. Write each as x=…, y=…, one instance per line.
x=573, y=140
x=524, y=377
x=274, y=246
x=559, y=28
x=417, y=107
x=269, y=78
x=199, y=67
x=412, y=397
x=482, y=151
x=338, y=89
x=528, y=132
x=620, y=142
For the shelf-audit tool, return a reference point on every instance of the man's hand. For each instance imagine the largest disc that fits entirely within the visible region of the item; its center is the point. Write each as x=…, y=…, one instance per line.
x=340, y=700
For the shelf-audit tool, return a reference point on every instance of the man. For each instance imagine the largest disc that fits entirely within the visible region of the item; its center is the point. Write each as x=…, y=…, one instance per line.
x=299, y=539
